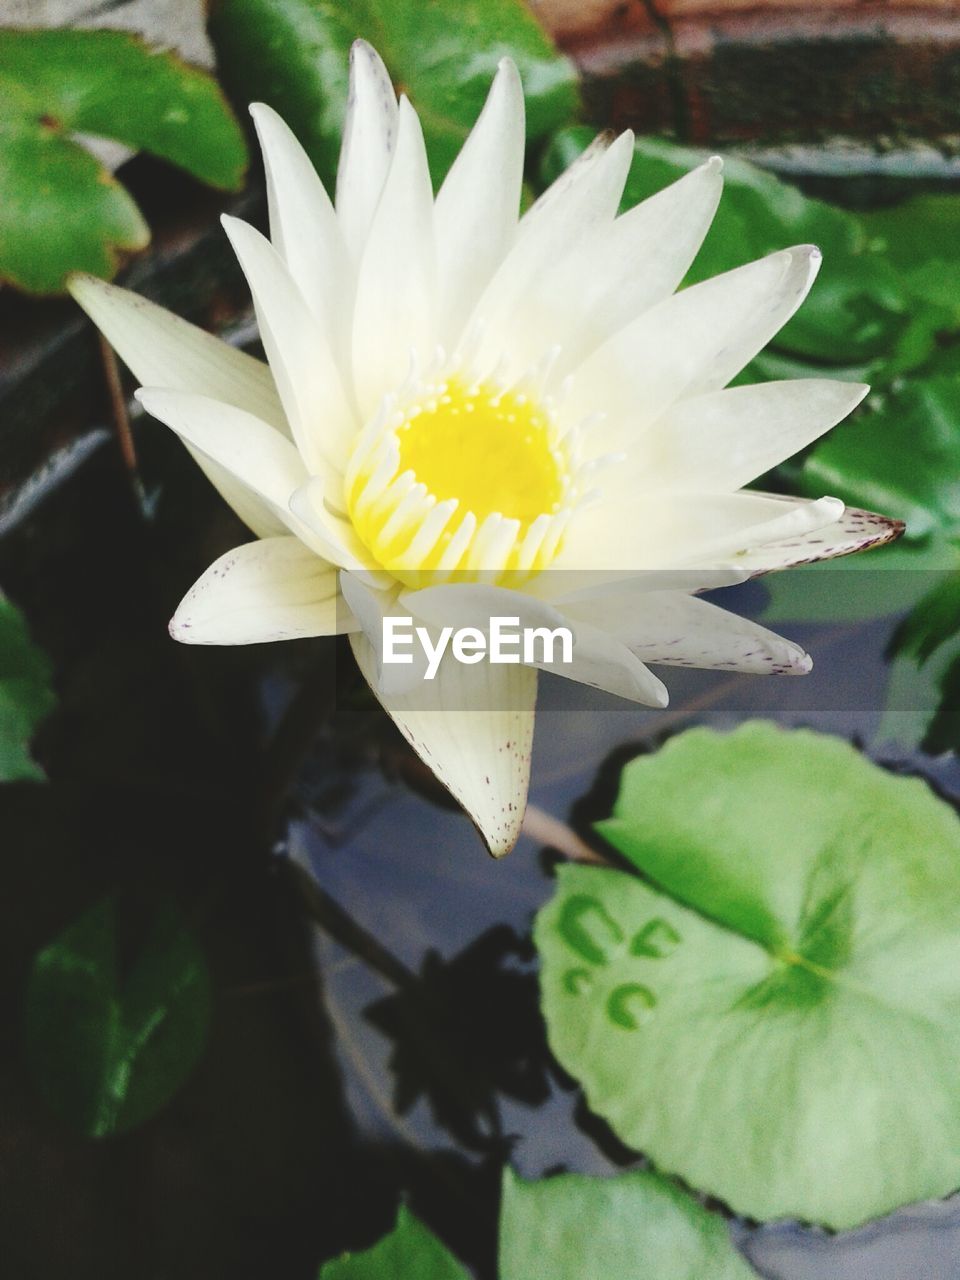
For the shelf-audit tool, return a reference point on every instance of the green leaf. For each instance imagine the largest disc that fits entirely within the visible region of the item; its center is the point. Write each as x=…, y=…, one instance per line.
x=634, y=1225
x=775, y=1015
x=900, y=459
x=888, y=581
x=943, y=731
x=409, y=1252
x=857, y=308
x=62, y=211
x=443, y=53
x=26, y=696
x=110, y=1045
x=935, y=620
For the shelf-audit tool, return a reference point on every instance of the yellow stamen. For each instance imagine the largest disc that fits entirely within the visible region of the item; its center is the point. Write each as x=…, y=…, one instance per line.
x=461, y=460
x=491, y=450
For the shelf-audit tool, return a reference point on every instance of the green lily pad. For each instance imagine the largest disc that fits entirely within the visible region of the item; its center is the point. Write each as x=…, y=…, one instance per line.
x=293, y=55
x=110, y=1044
x=570, y=1228
x=61, y=210
x=409, y=1251
x=26, y=696
x=774, y=1014
x=634, y=1225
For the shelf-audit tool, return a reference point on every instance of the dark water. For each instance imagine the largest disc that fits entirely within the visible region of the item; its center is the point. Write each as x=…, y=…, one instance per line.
x=410, y=1059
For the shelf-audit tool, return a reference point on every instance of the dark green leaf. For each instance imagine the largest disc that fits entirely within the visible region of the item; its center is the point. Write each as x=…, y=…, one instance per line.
x=636, y=1225
x=409, y=1252
x=109, y=1044
x=935, y=620
x=774, y=1012
x=943, y=731
x=442, y=53
x=900, y=459
x=26, y=696
x=890, y=580
x=61, y=210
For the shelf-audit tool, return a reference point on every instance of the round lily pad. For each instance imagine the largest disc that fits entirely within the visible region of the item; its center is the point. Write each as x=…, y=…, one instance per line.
x=774, y=1012
x=637, y=1224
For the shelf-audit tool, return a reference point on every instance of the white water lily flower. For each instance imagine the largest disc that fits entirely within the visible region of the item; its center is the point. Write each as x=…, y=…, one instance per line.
x=460, y=404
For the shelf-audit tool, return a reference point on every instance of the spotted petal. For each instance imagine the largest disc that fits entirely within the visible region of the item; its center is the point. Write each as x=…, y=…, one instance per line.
x=369, y=136
x=677, y=630
x=473, y=727
x=273, y=589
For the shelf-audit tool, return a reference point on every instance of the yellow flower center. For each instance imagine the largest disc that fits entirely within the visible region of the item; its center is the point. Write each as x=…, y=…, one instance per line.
x=490, y=450
x=466, y=479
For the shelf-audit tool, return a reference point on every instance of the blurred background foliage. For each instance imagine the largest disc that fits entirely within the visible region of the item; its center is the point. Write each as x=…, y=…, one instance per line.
x=122, y=978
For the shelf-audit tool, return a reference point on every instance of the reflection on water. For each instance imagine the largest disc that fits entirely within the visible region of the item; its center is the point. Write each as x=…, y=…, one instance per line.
x=416, y=876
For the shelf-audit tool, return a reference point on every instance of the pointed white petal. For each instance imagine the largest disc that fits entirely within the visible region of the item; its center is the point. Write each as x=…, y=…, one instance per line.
x=630, y=265
x=395, y=309
x=303, y=226
x=723, y=440
x=161, y=348
x=369, y=134
x=854, y=531
x=573, y=174
x=513, y=320
x=584, y=585
x=602, y=662
x=682, y=631
x=477, y=206
x=473, y=726
x=306, y=374
x=254, y=454
x=688, y=345
x=463, y=604
x=274, y=589
x=682, y=530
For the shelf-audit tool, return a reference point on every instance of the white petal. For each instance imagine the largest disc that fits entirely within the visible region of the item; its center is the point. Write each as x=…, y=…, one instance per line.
x=462, y=604
x=371, y=607
x=162, y=349
x=477, y=206
x=560, y=585
x=303, y=226
x=854, y=531
x=274, y=589
x=688, y=345
x=682, y=530
x=473, y=726
x=723, y=440
x=257, y=456
x=395, y=310
x=369, y=133
x=602, y=662
x=598, y=660
x=682, y=631
x=632, y=264
x=334, y=534
x=513, y=321
x=573, y=174
x=307, y=376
